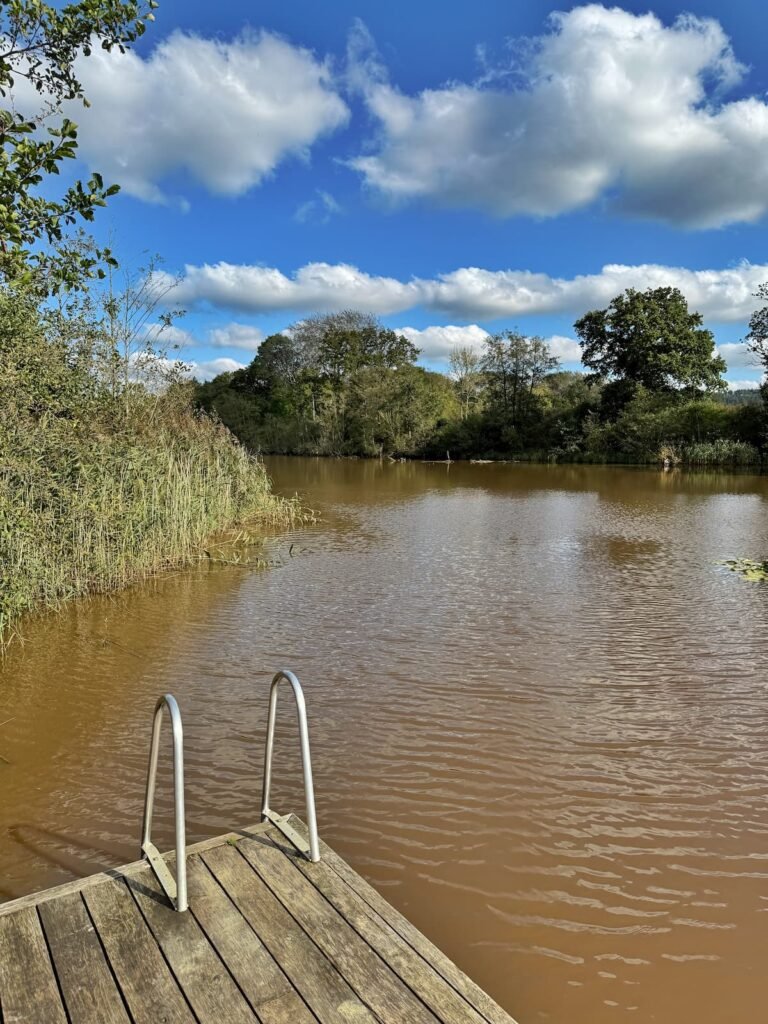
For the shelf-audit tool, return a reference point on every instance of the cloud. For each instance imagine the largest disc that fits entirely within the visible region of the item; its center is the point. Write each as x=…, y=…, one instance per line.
x=565, y=349
x=169, y=336
x=743, y=385
x=720, y=294
x=227, y=113
x=725, y=295
x=234, y=335
x=212, y=368
x=437, y=342
x=737, y=354
x=317, y=211
x=314, y=287
x=606, y=104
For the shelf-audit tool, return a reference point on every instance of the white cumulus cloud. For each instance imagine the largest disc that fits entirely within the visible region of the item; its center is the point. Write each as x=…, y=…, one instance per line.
x=726, y=294
x=213, y=367
x=743, y=385
x=227, y=113
x=437, y=342
x=565, y=349
x=721, y=295
x=605, y=104
x=737, y=354
x=316, y=286
x=234, y=335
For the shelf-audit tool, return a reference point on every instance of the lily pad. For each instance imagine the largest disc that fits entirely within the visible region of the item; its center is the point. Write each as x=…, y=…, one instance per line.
x=753, y=572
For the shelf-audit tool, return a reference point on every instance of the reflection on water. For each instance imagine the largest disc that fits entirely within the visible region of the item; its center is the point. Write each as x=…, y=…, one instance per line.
x=538, y=718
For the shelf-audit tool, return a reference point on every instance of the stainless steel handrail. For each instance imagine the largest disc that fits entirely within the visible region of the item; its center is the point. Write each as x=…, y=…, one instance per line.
x=175, y=889
x=312, y=851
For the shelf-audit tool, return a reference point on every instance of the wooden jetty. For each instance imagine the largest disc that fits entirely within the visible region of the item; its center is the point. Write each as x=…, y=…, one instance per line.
x=267, y=924
x=268, y=937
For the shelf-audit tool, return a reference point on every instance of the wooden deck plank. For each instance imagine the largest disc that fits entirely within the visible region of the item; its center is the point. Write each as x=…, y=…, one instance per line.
x=198, y=969
x=444, y=966
x=147, y=984
x=448, y=1005
x=90, y=993
x=323, y=989
x=370, y=976
x=29, y=993
x=34, y=899
x=269, y=938
x=262, y=982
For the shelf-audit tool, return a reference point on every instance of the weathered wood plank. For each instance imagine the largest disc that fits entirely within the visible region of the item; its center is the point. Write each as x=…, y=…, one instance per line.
x=33, y=899
x=373, y=980
x=474, y=995
x=148, y=986
x=202, y=977
x=265, y=986
x=90, y=993
x=449, y=1006
x=29, y=993
x=323, y=989
x=269, y=937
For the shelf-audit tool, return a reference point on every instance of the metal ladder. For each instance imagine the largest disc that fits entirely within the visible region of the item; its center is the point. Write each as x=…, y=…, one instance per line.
x=175, y=888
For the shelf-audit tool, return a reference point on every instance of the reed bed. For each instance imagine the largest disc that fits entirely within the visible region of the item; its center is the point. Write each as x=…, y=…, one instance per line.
x=91, y=514
x=721, y=452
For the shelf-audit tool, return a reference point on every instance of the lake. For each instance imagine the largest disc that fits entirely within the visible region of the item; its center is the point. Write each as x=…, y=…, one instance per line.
x=538, y=718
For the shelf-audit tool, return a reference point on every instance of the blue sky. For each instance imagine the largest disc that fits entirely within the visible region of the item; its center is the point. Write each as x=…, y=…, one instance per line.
x=468, y=166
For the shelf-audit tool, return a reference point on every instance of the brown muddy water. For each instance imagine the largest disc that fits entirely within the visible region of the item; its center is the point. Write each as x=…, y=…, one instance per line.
x=539, y=714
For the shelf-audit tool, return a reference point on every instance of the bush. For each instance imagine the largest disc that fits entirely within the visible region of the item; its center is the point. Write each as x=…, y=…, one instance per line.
x=698, y=431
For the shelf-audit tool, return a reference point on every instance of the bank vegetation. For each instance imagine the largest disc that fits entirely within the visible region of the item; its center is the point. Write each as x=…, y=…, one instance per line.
x=343, y=384
x=108, y=473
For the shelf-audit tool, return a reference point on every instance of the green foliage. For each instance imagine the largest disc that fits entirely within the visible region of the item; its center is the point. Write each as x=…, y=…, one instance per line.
x=651, y=340
x=757, y=339
x=344, y=385
x=467, y=375
x=396, y=410
x=97, y=491
x=39, y=45
x=514, y=366
x=340, y=384
x=696, y=431
x=722, y=452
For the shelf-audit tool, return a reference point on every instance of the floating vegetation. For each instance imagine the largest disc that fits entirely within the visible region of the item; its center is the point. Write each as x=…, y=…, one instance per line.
x=755, y=572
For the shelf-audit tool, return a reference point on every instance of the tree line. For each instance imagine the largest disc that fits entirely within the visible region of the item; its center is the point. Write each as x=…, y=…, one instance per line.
x=344, y=384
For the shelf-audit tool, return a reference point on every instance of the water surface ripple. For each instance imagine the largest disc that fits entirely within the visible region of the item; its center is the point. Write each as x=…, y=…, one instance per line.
x=538, y=719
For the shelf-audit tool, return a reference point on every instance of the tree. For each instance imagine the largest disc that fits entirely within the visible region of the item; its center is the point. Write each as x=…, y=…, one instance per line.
x=757, y=339
x=39, y=45
x=333, y=348
x=466, y=373
x=395, y=411
x=649, y=339
x=514, y=366
x=339, y=343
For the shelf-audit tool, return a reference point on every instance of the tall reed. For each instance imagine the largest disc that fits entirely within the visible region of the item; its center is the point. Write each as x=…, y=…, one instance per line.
x=85, y=514
x=721, y=452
